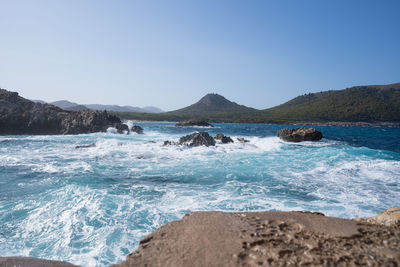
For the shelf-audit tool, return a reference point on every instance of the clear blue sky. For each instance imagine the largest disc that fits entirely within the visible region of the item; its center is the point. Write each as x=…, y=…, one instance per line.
x=170, y=53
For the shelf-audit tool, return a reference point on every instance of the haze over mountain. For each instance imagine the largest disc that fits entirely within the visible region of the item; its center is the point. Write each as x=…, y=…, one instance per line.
x=68, y=105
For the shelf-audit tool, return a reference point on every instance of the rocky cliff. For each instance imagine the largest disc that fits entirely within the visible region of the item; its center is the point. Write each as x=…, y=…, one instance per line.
x=22, y=116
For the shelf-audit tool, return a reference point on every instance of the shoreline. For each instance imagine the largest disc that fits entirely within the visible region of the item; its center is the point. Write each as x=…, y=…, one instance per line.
x=331, y=123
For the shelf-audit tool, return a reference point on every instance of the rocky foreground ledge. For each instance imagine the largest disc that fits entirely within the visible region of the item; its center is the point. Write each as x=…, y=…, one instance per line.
x=263, y=239
x=270, y=239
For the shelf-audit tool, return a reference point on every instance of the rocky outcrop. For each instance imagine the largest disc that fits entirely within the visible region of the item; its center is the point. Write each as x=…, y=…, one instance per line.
x=242, y=140
x=389, y=217
x=21, y=116
x=267, y=239
x=137, y=129
x=197, y=139
x=194, y=123
x=299, y=134
x=224, y=139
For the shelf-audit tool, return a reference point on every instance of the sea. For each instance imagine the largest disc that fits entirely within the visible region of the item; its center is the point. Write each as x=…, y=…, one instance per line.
x=91, y=206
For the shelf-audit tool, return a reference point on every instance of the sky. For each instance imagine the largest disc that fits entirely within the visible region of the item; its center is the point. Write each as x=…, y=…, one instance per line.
x=171, y=53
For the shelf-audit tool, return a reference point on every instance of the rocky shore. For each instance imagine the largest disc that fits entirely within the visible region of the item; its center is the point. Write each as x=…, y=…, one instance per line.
x=273, y=238
x=22, y=116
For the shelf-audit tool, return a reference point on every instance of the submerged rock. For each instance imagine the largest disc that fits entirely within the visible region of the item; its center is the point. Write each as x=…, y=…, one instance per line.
x=197, y=139
x=224, y=139
x=194, y=123
x=22, y=116
x=137, y=129
x=242, y=140
x=86, y=146
x=299, y=134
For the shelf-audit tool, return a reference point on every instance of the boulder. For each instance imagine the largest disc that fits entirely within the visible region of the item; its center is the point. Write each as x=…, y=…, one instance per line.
x=137, y=129
x=197, y=139
x=224, y=139
x=299, y=134
x=242, y=140
x=22, y=116
x=122, y=128
x=194, y=123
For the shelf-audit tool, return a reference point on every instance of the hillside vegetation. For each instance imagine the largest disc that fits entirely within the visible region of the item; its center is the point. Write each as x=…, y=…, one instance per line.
x=375, y=103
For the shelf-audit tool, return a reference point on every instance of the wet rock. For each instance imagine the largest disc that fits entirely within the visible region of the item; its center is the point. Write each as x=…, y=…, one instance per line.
x=197, y=139
x=299, y=134
x=169, y=143
x=242, y=140
x=122, y=128
x=86, y=146
x=224, y=139
x=137, y=129
x=22, y=116
x=194, y=123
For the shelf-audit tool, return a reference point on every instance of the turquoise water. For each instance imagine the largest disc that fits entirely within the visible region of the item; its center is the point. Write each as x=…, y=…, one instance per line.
x=92, y=206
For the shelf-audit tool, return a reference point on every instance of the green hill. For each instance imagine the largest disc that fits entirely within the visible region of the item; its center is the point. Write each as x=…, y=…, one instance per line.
x=373, y=103
x=360, y=103
x=212, y=103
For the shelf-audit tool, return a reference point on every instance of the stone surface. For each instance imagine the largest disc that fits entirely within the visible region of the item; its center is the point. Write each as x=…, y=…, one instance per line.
x=194, y=123
x=299, y=134
x=137, y=129
x=267, y=239
x=21, y=116
x=388, y=217
x=224, y=139
x=242, y=140
x=197, y=139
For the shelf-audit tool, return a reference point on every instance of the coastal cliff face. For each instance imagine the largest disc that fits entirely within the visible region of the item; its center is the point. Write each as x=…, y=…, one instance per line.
x=21, y=116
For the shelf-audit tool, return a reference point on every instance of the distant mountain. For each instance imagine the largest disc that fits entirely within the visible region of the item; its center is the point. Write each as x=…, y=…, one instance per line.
x=64, y=104
x=151, y=109
x=38, y=101
x=67, y=105
x=359, y=103
x=212, y=103
x=370, y=104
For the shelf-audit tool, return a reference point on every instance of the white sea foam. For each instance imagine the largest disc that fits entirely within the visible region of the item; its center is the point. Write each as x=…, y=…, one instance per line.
x=91, y=206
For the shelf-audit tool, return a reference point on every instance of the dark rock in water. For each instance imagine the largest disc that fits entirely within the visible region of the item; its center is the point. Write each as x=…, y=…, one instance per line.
x=21, y=116
x=32, y=262
x=300, y=134
x=169, y=143
x=197, y=139
x=137, y=129
x=194, y=123
x=122, y=128
x=242, y=140
x=224, y=139
x=86, y=146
